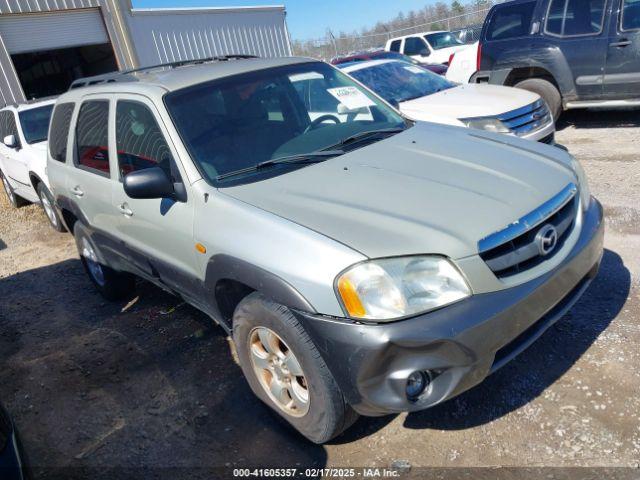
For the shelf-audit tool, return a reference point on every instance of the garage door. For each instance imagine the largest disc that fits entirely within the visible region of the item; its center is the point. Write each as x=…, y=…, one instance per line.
x=34, y=32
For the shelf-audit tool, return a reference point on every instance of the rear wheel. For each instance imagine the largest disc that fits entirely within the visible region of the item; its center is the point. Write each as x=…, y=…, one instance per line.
x=46, y=201
x=547, y=91
x=113, y=285
x=285, y=370
x=14, y=200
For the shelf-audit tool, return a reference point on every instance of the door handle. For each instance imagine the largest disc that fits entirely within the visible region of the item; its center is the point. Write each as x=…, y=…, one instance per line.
x=622, y=43
x=77, y=191
x=125, y=210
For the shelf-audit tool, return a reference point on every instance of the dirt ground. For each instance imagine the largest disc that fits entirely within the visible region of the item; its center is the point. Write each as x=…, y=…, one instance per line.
x=104, y=390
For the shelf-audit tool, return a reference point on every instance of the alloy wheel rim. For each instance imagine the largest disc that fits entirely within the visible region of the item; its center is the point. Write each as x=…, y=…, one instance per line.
x=279, y=372
x=95, y=269
x=48, y=209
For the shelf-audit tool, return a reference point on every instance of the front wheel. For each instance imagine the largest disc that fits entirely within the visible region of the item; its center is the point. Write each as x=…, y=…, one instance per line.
x=14, y=200
x=285, y=370
x=46, y=201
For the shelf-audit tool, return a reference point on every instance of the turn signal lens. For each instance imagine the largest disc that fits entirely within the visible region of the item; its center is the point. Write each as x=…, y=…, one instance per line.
x=350, y=298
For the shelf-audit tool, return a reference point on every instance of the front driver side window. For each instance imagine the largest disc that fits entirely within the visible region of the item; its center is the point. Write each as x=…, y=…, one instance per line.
x=415, y=46
x=140, y=141
x=631, y=15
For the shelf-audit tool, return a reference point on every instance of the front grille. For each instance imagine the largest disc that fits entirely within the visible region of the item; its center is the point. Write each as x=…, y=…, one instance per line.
x=516, y=248
x=525, y=120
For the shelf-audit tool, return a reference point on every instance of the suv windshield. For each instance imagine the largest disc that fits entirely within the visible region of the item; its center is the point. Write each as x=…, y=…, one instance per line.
x=398, y=81
x=442, y=40
x=35, y=123
x=238, y=122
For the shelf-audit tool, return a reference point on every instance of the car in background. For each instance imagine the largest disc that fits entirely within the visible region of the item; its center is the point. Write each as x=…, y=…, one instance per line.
x=438, y=68
x=433, y=47
x=12, y=465
x=463, y=64
x=574, y=54
x=468, y=35
x=23, y=156
x=421, y=95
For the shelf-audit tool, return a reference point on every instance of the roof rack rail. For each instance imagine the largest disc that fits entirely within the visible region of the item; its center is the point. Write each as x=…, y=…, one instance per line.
x=126, y=75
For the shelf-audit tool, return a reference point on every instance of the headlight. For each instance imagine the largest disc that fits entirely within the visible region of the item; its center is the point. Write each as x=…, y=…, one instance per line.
x=488, y=124
x=393, y=288
x=585, y=193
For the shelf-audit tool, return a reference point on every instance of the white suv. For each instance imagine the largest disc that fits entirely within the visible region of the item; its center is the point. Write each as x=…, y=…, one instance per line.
x=23, y=156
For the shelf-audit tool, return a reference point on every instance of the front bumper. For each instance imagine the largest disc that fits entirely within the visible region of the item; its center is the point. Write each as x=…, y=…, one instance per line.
x=461, y=344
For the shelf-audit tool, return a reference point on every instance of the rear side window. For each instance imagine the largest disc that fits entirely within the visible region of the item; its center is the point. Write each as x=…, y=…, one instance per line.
x=415, y=46
x=631, y=15
x=60, y=125
x=92, y=137
x=570, y=18
x=511, y=21
x=395, y=45
x=140, y=141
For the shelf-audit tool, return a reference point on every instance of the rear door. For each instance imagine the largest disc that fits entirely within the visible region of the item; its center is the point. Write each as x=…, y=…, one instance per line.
x=578, y=29
x=157, y=233
x=622, y=72
x=89, y=178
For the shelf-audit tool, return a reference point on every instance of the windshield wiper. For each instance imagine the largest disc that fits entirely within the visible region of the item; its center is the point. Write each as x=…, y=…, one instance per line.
x=369, y=133
x=289, y=159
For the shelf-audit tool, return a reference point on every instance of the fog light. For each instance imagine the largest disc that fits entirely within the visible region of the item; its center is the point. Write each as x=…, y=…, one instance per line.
x=416, y=384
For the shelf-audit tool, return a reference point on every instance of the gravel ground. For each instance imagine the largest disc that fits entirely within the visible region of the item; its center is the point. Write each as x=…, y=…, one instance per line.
x=105, y=390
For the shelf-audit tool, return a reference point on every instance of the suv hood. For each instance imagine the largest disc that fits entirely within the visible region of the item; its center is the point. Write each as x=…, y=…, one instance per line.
x=431, y=189
x=467, y=101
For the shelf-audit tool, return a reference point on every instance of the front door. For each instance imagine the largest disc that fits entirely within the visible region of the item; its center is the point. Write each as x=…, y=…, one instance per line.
x=15, y=164
x=580, y=30
x=417, y=48
x=158, y=233
x=622, y=72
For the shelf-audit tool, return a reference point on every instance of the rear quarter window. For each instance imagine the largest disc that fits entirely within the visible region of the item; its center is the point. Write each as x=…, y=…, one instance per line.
x=395, y=46
x=59, y=131
x=511, y=21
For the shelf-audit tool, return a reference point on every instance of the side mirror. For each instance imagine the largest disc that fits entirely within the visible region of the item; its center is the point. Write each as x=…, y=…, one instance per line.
x=394, y=103
x=148, y=184
x=425, y=52
x=11, y=141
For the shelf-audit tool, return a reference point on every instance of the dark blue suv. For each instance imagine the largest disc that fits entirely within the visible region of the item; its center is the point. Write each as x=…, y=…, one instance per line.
x=573, y=53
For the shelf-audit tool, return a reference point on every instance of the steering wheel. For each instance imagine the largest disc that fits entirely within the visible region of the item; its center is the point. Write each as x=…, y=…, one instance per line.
x=321, y=119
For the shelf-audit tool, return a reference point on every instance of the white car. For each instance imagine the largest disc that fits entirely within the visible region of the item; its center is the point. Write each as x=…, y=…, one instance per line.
x=423, y=95
x=427, y=47
x=463, y=64
x=23, y=156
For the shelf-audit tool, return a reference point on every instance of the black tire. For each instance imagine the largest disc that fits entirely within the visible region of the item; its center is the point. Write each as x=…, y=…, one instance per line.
x=111, y=284
x=14, y=200
x=547, y=91
x=328, y=413
x=52, y=215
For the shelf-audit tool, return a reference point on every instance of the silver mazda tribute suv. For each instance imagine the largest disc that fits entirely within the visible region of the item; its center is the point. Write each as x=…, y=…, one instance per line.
x=361, y=262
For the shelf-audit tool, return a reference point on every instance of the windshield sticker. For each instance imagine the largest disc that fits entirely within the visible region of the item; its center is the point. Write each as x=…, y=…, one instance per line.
x=351, y=97
x=414, y=69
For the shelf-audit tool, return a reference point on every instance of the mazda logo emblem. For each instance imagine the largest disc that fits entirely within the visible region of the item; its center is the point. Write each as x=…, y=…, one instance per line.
x=547, y=239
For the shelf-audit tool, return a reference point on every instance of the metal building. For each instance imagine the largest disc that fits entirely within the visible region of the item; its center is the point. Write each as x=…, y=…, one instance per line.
x=46, y=44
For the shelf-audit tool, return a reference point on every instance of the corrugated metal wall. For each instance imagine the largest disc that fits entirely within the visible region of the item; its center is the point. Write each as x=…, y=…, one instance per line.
x=162, y=36
x=112, y=11
x=145, y=37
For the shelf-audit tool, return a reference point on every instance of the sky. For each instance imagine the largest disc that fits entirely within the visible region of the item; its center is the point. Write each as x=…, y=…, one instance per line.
x=310, y=18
